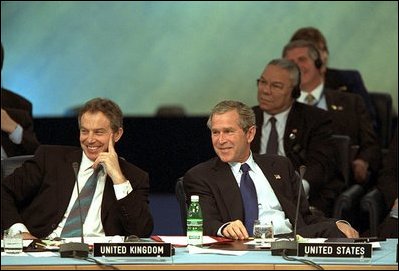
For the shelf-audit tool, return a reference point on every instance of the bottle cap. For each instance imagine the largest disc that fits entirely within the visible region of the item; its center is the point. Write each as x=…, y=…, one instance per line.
x=194, y=198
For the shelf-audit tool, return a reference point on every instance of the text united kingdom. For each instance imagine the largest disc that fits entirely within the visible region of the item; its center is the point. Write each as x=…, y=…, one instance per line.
x=143, y=249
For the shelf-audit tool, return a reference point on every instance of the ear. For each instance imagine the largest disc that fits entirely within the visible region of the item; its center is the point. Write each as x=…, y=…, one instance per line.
x=118, y=134
x=251, y=133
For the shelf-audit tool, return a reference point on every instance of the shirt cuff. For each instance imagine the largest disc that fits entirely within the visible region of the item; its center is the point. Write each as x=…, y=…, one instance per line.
x=220, y=231
x=122, y=190
x=16, y=135
x=18, y=227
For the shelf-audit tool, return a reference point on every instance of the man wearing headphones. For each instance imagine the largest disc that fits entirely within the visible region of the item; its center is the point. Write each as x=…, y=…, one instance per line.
x=303, y=132
x=348, y=111
x=349, y=81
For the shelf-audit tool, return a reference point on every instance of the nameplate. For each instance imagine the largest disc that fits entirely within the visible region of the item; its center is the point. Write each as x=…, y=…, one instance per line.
x=341, y=250
x=136, y=249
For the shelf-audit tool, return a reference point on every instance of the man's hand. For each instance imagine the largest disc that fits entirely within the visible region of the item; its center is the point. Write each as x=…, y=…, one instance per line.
x=109, y=160
x=8, y=125
x=235, y=230
x=347, y=230
x=360, y=169
x=27, y=236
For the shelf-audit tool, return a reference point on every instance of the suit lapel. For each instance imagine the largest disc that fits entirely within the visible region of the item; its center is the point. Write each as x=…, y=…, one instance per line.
x=68, y=178
x=228, y=188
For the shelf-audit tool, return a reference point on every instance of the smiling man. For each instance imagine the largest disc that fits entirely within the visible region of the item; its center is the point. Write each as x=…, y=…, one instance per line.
x=238, y=186
x=40, y=198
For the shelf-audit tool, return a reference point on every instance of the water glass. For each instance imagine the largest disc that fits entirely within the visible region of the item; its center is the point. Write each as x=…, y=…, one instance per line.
x=12, y=242
x=263, y=231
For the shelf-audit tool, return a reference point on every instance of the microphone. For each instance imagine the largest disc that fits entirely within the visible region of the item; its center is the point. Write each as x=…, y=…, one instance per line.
x=290, y=248
x=73, y=249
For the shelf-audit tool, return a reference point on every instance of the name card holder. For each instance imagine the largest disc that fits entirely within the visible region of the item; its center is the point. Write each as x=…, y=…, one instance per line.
x=136, y=249
x=335, y=250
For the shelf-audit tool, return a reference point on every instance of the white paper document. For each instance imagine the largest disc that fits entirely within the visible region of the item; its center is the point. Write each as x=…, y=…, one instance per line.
x=199, y=250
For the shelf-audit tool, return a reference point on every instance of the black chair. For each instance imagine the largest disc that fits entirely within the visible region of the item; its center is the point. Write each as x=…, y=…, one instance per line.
x=383, y=106
x=374, y=208
x=182, y=199
x=347, y=202
x=8, y=165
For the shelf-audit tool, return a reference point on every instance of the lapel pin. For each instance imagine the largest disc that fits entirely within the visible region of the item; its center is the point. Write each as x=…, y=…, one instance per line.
x=277, y=176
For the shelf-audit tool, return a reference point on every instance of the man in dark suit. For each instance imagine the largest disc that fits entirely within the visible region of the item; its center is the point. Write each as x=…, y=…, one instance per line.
x=387, y=183
x=348, y=111
x=10, y=99
x=343, y=80
x=217, y=182
x=38, y=198
x=304, y=132
x=17, y=135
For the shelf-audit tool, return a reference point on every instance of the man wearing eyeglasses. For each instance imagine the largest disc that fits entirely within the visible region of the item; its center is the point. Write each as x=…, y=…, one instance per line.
x=300, y=132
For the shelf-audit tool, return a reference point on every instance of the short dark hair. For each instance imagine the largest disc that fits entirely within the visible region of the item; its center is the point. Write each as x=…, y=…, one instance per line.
x=108, y=108
x=246, y=114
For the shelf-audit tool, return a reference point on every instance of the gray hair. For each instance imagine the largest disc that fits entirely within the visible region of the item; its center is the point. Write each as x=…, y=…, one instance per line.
x=289, y=66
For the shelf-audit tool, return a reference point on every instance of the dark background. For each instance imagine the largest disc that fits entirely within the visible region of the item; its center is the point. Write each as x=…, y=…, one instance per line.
x=164, y=147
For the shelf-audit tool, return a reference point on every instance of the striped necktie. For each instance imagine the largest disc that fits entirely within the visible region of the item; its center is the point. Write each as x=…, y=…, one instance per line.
x=72, y=227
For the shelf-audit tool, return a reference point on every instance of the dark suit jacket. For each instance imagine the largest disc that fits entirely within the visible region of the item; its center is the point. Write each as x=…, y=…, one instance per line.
x=221, y=201
x=38, y=193
x=388, y=176
x=307, y=141
x=351, y=118
x=10, y=99
x=29, y=142
x=350, y=81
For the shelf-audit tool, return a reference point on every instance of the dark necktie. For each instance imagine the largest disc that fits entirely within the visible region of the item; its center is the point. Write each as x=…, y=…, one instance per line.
x=72, y=227
x=249, y=198
x=272, y=144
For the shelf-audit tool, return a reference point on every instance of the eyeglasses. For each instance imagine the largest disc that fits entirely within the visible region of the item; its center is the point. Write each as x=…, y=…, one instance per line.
x=273, y=85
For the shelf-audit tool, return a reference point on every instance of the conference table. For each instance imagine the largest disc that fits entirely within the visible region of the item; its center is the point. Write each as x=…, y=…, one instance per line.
x=383, y=258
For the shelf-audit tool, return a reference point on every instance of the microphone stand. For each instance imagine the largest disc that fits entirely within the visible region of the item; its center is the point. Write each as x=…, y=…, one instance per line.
x=290, y=248
x=74, y=249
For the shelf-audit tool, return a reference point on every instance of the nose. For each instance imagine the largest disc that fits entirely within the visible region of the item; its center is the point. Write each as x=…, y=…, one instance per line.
x=222, y=138
x=90, y=137
x=265, y=88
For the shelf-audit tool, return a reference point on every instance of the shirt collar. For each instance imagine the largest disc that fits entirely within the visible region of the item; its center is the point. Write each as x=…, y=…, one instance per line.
x=86, y=162
x=317, y=93
x=236, y=166
x=280, y=117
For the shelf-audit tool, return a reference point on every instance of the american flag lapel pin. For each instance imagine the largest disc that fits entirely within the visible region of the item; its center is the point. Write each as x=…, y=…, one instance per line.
x=277, y=176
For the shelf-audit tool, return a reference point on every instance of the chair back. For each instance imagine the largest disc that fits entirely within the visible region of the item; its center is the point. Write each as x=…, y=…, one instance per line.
x=383, y=106
x=343, y=155
x=182, y=200
x=8, y=165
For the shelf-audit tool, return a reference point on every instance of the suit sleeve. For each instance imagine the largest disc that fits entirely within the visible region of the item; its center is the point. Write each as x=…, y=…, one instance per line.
x=135, y=215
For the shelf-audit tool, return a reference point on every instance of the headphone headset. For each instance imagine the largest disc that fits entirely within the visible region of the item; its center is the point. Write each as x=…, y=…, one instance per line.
x=318, y=62
x=296, y=91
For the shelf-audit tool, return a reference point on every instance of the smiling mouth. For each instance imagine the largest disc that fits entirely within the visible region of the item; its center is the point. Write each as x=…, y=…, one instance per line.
x=92, y=148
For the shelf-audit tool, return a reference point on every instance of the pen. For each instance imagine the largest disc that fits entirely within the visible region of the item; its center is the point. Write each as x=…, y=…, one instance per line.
x=40, y=244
